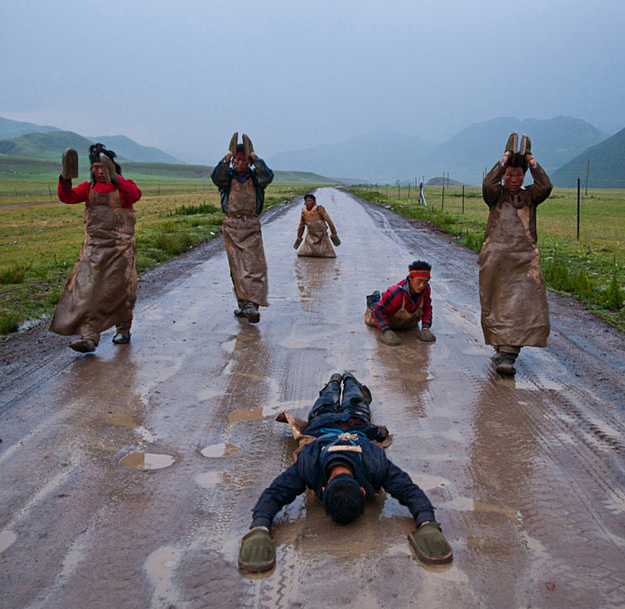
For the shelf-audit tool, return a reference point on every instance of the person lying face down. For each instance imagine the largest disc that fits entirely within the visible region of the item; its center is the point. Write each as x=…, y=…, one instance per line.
x=403, y=306
x=343, y=466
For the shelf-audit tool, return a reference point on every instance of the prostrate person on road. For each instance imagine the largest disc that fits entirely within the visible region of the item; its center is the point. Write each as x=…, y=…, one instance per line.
x=343, y=465
x=403, y=306
x=102, y=289
x=242, y=190
x=316, y=221
x=512, y=290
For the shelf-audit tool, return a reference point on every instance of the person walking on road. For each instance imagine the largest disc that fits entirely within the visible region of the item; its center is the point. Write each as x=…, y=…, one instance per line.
x=512, y=289
x=316, y=221
x=403, y=306
x=242, y=189
x=102, y=289
x=343, y=466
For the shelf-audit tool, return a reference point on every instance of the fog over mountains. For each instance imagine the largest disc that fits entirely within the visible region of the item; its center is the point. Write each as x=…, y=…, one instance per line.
x=562, y=145
x=386, y=156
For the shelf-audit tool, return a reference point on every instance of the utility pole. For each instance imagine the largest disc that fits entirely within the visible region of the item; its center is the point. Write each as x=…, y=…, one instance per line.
x=578, y=206
x=587, y=172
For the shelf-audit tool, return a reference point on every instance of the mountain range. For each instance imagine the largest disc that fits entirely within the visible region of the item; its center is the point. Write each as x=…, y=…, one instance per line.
x=562, y=145
x=388, y=156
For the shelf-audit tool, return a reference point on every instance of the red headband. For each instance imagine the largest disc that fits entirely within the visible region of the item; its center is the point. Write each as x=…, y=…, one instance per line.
x=419, y=273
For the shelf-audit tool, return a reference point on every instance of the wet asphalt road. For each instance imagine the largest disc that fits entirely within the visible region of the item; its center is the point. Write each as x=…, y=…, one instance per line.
x=527, y=474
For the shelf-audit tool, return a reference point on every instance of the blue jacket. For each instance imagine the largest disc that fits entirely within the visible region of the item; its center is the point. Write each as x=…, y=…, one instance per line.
x=260, y=174
x=371, y=468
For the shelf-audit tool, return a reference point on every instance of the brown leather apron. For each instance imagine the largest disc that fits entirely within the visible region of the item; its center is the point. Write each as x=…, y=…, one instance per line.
x=102, y=289
x=244, y=244
x=317, y=242
x=512, y=290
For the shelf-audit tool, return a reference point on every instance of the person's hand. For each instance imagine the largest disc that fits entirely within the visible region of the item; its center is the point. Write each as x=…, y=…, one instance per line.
x=335, y=239
x=426, y=335
x=253, y=157
x=430, y=544
x=505, y=159
x=109, y=168
x=297, y=243
x=531, y=161
x=390, y=338
x=258, y=551
x=228, y=157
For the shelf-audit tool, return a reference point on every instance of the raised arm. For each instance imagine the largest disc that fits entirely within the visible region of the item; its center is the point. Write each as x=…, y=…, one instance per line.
x=542, y=187
x=220, y=176
x=67, y=194
x=264, y=175
x=492, y=182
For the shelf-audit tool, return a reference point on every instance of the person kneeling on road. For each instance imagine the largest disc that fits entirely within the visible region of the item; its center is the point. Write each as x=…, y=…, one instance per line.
x=403, y=305
x=343, y=465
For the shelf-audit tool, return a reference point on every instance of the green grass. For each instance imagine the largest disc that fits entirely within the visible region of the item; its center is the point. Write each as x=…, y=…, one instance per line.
x=39, y=244
x=591, y=269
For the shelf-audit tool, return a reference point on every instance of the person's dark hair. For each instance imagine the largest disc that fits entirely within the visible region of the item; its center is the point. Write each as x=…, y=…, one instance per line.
x=94, y=157
x=518, y=160
x=240, y=148
x=310, y=196
x=420, y=265
x=343, y=499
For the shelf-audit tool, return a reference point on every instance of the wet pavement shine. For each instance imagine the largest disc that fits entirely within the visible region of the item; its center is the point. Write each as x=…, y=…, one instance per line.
x=127, y=477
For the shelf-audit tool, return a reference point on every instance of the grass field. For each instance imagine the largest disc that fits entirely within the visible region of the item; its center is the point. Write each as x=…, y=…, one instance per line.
x=591, y=268
x=39, y=242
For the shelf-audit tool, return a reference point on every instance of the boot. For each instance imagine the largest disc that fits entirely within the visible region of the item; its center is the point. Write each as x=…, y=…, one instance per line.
x=121, y=337
x=83, y=345
x=240, y=312
x=506, y=364
x=252, y=313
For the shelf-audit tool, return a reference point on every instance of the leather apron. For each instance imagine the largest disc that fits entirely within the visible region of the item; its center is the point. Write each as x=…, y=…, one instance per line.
x=244, y=244
x=102, y=289
x=317, y=243
x=512, y=289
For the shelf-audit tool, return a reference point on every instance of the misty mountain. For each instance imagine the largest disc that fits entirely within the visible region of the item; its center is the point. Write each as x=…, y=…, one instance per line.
x=386, y=156
x=607, y=165
x=10, y=128
x=125, y=147
x=50, y=145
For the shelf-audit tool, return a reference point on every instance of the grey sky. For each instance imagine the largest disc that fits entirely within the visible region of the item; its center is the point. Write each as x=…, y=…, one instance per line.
x=184, y=75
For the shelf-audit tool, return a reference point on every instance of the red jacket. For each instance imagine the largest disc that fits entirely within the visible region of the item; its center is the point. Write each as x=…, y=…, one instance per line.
x=128, y=191
x=392, y=300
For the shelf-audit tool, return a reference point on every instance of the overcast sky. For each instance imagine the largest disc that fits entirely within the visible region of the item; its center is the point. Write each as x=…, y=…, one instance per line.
x=183, y=75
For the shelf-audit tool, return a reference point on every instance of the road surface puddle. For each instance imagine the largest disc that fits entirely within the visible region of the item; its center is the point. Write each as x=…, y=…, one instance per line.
x=418, y=377
x=229, y=346
x=7, y=538
x=208, y=480
x=207, y=394
x=295, y=343
x=222, y=449
x=241, y=415
x=122, y=420
x=466, y=504
x=146, y=461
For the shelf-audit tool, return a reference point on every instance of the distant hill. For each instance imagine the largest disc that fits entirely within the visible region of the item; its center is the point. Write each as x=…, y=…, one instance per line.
x=50, y=145
x=48, y=170
x=10, y=128
x=125, y=147
x=607, y=165
x=387, y=156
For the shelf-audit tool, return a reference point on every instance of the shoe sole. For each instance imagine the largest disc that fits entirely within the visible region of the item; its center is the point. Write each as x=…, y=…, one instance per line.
x=506, y=369
x=257, y=568
x=82, y=348
x=427, y=559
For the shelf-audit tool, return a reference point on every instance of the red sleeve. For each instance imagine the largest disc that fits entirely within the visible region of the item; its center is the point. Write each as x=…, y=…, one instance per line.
x=427, y=308
x=128, y=190
x=389, y=304
x=67, y=194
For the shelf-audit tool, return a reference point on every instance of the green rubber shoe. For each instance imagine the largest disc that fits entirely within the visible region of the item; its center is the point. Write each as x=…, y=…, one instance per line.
x=257, y=552
x=430, y=545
